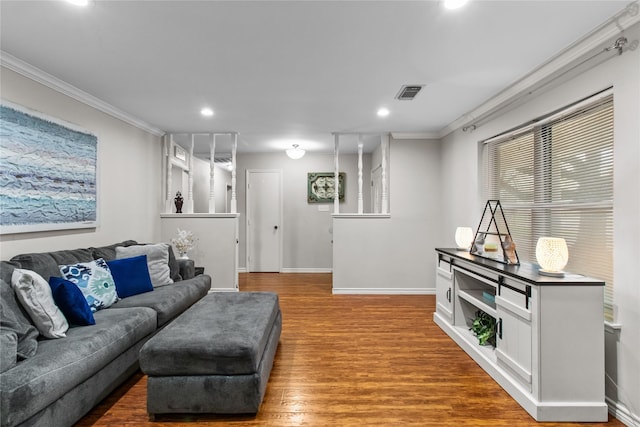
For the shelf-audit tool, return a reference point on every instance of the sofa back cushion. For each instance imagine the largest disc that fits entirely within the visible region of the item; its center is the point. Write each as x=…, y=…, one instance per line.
x=46, y=263
x=108, y=253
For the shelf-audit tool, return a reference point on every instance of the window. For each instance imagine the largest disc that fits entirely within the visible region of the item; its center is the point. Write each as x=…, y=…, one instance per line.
x=555, y=178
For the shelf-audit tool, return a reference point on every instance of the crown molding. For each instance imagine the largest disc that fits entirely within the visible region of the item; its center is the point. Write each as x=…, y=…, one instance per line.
x=21, y=67
x=417, y=135
x=557, y=66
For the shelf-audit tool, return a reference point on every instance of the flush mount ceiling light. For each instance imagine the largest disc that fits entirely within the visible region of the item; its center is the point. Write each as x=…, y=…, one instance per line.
x=78, y=2
x=296, y=152
x=383, y=112
x=207, y=112
x=454, y=4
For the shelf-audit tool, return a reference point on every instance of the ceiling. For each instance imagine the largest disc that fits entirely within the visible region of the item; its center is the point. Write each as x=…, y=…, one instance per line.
x=277, y=71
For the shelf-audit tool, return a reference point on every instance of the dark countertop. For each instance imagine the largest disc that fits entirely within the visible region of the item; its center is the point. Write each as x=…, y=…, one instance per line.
x=527, y=272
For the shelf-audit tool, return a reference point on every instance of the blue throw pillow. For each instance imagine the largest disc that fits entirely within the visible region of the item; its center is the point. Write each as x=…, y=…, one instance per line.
x=71, y=301
x=94, y=280
x=131, y=275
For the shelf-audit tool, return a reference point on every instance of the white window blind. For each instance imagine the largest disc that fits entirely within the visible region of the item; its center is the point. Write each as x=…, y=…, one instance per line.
x=555, y=178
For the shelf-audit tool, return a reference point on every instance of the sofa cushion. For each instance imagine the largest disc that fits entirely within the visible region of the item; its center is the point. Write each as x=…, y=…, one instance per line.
x=8, y=349
x=60, y=365
x=36, y=298
x=14, y=319
x=46, y=263
x=69, y=298
x=170, y=301
x=131, y=275
x=157, y=260
x=109, y=252
x=94, y=280
x=6, y=270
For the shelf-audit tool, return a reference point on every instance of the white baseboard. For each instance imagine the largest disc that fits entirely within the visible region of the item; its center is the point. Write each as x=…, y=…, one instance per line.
x=384, y=291
x=296, y=270
x=307, y=270
x=622, y=413
x=222, y=290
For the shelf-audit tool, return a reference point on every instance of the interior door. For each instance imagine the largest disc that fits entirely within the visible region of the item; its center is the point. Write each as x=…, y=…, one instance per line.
x=264, y=220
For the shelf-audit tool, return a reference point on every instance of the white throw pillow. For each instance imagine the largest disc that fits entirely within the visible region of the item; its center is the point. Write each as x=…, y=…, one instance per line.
x=157, y=260
x=36, y=298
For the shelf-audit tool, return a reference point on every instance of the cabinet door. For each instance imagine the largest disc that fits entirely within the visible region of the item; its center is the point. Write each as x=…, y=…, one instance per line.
x=513, y=343
x=444, y=290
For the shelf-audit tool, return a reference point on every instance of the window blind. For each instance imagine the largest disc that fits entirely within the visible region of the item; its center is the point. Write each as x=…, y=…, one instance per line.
x=555, y=178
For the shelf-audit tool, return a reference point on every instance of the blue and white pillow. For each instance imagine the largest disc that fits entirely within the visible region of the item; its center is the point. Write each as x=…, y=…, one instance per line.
x=94, y=280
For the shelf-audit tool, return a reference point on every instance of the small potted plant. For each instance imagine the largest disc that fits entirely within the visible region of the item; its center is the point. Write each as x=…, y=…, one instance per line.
x=484, y=328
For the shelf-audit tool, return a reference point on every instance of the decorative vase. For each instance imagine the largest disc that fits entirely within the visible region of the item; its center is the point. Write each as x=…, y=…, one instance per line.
x=178, y=202
x=183, y=255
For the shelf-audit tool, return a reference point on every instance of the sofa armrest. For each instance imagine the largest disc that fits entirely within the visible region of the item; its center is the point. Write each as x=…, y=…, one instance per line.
x=187, y=268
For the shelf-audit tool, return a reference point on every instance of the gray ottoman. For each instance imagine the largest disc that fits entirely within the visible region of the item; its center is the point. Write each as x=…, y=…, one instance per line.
x=214, y=358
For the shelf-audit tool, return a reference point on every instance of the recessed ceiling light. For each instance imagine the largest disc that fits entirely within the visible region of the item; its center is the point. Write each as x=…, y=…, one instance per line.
x=207, y=112
x=454, y=4
x=383, y=112
x=78, y=2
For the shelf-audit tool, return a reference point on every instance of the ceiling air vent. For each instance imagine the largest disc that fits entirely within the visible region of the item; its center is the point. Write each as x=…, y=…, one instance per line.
x=408, y=92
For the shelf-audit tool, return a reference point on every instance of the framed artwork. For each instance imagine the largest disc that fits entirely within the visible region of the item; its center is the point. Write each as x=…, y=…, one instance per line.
x=180, y=153
x=321, y=187
x=48, y=172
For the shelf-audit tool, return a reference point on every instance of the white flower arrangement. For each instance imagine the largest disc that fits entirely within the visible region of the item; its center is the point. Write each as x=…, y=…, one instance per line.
x=185, y=241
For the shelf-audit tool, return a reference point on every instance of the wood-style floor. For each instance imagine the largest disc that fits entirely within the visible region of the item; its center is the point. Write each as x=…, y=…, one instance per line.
x=350, y=360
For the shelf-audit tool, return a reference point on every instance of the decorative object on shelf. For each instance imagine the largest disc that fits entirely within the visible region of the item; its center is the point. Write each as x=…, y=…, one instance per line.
x=464, y=237
x=296, y=152
x=178, y=201
x=484, y=328
x=321, y=187
x=552, y=254
x=493, y=239
x=185, y=242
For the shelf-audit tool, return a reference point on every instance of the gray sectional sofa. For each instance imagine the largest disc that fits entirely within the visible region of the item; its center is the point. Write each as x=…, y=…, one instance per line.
x=66, y=377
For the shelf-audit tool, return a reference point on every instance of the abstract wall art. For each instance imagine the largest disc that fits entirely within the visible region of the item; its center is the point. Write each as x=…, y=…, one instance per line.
x=48, y=171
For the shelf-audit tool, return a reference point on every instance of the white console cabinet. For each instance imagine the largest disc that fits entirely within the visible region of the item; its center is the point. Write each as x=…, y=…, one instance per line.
x=549, y=350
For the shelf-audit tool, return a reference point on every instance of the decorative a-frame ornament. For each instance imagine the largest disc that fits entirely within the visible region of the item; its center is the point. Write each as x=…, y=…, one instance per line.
x=493, y=238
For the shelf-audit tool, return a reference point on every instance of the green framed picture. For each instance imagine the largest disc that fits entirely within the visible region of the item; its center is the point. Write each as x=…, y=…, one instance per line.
x=321, y=187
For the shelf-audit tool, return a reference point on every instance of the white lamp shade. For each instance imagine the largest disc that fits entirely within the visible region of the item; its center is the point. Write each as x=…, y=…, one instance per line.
x=464, y=237
x=552, y=254
x=296, y=152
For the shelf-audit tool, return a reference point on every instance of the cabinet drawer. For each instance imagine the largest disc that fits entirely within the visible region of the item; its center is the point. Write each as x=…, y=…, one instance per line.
x=515, y=297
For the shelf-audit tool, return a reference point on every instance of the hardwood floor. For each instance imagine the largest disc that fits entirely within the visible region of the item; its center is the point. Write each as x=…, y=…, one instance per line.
x=351, y=360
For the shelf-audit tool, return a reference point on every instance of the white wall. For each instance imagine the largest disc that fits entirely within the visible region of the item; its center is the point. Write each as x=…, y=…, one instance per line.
x=307, y=231
x=129, y=194
x=395, y=255
x=461, y=199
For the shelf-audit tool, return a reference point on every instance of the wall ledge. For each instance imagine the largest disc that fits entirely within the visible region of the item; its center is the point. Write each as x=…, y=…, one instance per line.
x=384, y=291
x=200, y=215
x=354, y=215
